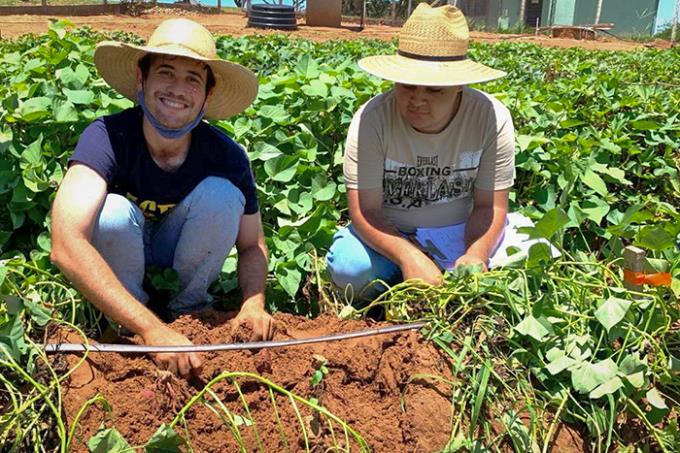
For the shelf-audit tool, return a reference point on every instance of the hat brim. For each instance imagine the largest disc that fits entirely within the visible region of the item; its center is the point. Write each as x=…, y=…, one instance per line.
x=235, y=86
x=410, y=71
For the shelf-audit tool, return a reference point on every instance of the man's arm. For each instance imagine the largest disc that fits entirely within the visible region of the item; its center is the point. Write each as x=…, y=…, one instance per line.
x=76, y=207
x=252, y=275
x=365, y=211
x=485, y=225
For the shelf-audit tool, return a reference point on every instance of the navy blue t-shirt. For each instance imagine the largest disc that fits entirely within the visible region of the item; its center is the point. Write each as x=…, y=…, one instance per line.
x=114, y=146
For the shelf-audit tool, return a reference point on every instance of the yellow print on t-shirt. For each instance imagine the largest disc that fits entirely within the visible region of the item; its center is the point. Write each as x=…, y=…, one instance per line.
x=151, y=209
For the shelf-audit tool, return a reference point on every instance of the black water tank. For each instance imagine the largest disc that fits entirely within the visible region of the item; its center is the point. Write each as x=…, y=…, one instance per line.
x=281, y=17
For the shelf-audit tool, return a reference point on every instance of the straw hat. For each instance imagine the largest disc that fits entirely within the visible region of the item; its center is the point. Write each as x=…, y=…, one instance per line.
x=433, y=46
x=235, y=86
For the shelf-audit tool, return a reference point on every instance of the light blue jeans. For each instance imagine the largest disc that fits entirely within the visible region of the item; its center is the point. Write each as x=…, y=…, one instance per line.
x=353, y=265
x=194, y=238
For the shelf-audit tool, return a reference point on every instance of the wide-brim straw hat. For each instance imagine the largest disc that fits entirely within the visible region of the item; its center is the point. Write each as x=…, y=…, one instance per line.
x=235, y=86
x=433, y=46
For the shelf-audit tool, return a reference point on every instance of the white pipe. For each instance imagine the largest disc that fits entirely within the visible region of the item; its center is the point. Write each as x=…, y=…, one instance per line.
x=134, y=348
x=675, y=22
x=598, y=13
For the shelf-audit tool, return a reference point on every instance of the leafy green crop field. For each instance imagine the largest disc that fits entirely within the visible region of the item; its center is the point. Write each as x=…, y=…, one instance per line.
x=598, y=161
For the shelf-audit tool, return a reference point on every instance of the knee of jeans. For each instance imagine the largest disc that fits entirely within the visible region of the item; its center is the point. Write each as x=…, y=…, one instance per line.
x=119, y=215
x=348, y=269
x=219, y=195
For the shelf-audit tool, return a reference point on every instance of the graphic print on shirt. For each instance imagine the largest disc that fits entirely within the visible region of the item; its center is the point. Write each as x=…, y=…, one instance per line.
x=414, y=186
x=150, y=209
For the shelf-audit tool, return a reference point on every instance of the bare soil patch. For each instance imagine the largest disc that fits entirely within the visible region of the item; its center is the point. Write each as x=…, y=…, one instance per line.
x=235, y=24
x=365, y=386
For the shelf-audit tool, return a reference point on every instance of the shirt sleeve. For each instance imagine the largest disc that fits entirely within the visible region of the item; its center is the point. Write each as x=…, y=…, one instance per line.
x=497, y=164
x=247, y=183
x=94, y=150
x=249, y=192
x=364, y=160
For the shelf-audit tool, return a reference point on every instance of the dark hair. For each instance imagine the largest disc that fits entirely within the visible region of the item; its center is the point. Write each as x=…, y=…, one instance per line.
x=144, y=64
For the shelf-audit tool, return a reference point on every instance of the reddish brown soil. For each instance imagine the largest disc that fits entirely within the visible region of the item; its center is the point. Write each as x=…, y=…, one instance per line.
x=390, y=388
x=366, y=379
x=235, y=24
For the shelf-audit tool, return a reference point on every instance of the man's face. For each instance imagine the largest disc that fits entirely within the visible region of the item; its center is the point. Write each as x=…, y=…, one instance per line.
x=427, y=109
x=174, y=89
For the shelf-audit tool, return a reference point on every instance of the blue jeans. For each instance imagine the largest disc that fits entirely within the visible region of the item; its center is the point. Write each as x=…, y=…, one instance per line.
x=353, y=265
x=194, y=238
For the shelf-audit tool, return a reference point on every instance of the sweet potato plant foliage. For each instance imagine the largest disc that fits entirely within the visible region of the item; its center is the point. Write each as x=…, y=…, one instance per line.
x=598, y=135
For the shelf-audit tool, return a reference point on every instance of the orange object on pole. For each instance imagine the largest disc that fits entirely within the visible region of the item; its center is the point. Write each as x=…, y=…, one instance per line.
x=640, y=278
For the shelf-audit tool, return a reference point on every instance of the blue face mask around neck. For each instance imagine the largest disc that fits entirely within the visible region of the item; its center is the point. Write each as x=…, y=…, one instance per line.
x=166, y=132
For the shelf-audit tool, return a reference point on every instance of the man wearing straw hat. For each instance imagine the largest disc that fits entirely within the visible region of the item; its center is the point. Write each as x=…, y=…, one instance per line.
x=156, y=185
x=429, y=153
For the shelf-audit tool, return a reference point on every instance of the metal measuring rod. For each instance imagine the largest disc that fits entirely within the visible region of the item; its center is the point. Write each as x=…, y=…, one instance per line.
x=55, y=348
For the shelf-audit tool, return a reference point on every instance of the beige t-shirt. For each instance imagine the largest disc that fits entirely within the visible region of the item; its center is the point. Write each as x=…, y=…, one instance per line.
x=428, y=179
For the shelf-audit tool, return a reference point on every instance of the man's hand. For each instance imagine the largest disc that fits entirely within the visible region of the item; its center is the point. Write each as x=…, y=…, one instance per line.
x=254, y=316
x=471, y=260
x=185, y=363
x=419, y=266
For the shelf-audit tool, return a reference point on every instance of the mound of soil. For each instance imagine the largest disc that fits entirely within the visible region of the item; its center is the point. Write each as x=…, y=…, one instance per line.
x=381, y=386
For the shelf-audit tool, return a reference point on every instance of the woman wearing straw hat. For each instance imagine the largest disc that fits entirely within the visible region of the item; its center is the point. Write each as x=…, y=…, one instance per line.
x=156, y=185
x=430, y=152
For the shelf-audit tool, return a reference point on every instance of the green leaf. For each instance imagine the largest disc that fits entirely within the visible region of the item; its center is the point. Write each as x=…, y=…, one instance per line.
x=606, y=388
x=566, y=124
x=595, y=209
x=65, y=112
x=560, y=364
x=655, y=237
x=79, y=96
x=274, y=112
x=536, y=328
x=617, y=174
x=322, y=189
x=633, y=369
x=551, y=222
x=628, y=217
x=289, y=277
x=73, y=79
x=539, y=254
x=35, y=65
x=264, y=151
x=655, y=399
x=12, y=338
x=5, y=139
x=33, y=152
x=13, y=303
x=528, y=142
x=40, y=314
x=588, y=376
x=44, y=242
x=282, y=168
x=307, y=67
x=612, y=311
x=595, y=182
x=242, y=421
x=674, y=364
x=645, y=125
x=164, y=440
x=480, y=393
x=107, y=441
x=316, y=88
x=35, y=108
x=3, y=273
